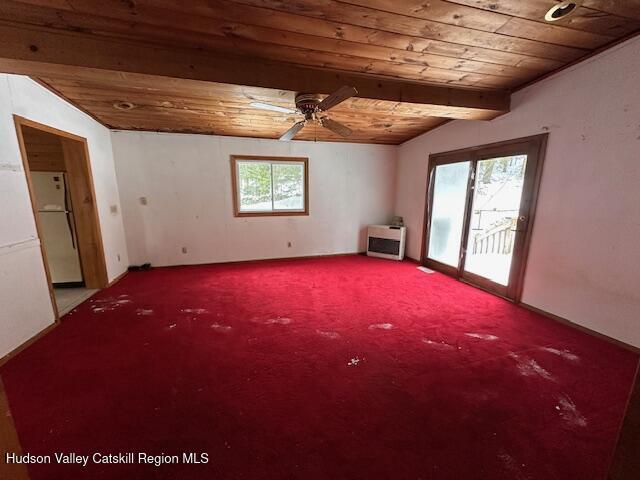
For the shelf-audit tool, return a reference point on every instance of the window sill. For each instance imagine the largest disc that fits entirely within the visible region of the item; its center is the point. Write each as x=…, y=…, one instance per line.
x=270, y=214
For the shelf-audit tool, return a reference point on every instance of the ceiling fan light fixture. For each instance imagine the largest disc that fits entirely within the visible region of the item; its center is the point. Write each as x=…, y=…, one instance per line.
x=312, y=105
x=561, y=10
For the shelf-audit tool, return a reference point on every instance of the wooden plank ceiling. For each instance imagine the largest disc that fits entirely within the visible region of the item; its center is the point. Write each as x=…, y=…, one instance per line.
x=466, y=45
x=206, y=107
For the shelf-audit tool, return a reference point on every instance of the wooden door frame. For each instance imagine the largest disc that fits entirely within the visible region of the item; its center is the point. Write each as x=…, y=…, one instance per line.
x=9, y=441
x=535, y=146
x=83, y=199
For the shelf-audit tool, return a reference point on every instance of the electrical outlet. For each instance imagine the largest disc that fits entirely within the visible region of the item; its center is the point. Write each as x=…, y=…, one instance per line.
x=143, y=200
x=184, y=249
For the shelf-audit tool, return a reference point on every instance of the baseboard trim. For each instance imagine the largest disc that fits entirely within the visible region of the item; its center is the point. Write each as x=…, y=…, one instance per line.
x=625, y=463
x=261, y=260
x=303, y=257
x=117, y=279
x=28, y=343
x=583, y=329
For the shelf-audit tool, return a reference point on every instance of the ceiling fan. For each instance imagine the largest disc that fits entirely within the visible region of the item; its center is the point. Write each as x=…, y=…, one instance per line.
x=310, y=105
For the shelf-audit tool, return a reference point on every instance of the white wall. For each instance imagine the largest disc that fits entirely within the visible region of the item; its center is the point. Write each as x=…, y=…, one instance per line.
x=187, y=182
x=585, y=250
x=25, y=308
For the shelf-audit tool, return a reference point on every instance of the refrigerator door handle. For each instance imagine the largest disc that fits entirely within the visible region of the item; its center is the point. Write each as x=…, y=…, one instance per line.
x=73, y=237
x=68, y=212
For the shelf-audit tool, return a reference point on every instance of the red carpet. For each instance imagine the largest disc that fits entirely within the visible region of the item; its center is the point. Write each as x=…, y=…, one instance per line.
x=338, y=368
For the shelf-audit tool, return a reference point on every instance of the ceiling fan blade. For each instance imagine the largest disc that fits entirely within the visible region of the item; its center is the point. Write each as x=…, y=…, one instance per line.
x=289, y=134
x=336, y=127
x=339, y=96
x=273, y=108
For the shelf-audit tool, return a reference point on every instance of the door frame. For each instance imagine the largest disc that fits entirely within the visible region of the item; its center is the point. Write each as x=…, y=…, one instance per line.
x=83, y=198
x=535, y=147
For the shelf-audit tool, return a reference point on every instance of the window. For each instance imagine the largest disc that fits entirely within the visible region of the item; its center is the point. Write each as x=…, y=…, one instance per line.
x=270, y=186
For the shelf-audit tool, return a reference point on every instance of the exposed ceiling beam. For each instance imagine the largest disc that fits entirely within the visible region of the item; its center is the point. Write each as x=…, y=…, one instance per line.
x=39, y=51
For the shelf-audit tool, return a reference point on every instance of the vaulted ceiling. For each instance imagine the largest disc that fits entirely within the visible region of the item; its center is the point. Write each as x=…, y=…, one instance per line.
x=196, y=66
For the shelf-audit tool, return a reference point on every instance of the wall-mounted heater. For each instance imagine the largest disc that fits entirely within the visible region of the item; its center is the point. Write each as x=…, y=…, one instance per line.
x=386, y=241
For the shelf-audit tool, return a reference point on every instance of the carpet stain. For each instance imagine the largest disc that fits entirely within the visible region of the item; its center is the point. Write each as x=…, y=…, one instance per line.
x=482, y=336
x=381, y=326
x=196, y=311
x=109, y=304
x=566, y=354
x=277, y=321
x=144, y=312
x=354, y=361
x=528, y=367
x=569, y=412
x=511, y=466
x=221, y=328
x=332, y=335
x=442, y=345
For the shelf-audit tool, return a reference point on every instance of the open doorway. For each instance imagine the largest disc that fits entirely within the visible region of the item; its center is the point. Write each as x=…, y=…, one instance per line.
x=58, y=172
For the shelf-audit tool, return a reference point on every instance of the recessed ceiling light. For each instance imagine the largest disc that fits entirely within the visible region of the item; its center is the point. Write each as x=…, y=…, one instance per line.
x=123, y=105
x=561, y=10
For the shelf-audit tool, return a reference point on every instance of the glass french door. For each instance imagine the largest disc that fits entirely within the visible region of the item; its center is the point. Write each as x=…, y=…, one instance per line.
x=448, y=212
x=478, y=213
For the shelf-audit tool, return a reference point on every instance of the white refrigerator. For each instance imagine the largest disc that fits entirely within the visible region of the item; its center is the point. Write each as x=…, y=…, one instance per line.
x=55, y=213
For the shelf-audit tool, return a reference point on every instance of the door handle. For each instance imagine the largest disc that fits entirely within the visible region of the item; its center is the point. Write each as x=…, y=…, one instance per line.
x=522, y=221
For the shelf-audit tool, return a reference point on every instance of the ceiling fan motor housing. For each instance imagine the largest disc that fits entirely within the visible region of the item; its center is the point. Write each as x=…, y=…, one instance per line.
x=312, y=106
x=307, y=103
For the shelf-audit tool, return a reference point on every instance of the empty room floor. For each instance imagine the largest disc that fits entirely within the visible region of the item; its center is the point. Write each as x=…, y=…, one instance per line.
x=343, y=368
